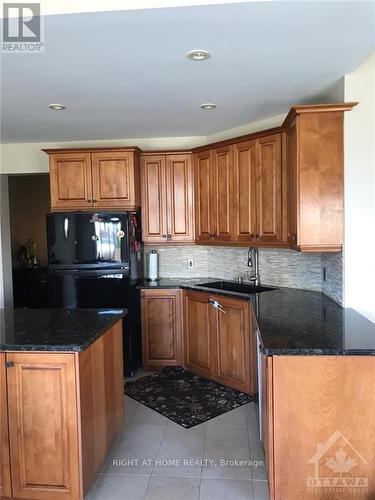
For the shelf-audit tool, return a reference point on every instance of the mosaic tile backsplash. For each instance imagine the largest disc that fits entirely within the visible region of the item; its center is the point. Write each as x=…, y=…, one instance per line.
x=279, y=267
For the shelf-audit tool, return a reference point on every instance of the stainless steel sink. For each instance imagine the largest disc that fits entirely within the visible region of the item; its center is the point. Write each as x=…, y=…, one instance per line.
x=230, y=286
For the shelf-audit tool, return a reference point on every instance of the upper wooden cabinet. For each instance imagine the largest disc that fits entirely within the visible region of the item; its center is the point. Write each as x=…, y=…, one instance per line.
x=106, y=179
x=214, y=195
x=315, y=157
x=167, y=198
x=260, y=192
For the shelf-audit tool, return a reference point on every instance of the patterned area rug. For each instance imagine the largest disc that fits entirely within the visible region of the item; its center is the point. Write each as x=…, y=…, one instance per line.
x=185, y=398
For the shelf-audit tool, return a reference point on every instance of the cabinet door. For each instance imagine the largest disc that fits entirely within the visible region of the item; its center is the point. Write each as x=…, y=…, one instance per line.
x=43, y=426
x=154, y=199
x=269, y=190
x=70, y=180
x=292, y=184
x=224, y=172
x=5, y=481
x=199, y=323
x=161, y=328
x=232, y=344
x=180, y=211
x=205, y=197
x=113, y=180
x=245, y=164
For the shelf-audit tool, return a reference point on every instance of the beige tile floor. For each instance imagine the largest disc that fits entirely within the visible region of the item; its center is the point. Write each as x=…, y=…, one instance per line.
x=141, y=467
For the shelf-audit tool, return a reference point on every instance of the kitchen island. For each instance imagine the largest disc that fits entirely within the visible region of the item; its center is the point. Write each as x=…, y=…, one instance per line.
x=312, y=364
x=62, y=397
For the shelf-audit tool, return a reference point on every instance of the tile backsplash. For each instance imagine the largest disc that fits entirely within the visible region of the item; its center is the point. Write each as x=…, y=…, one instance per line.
x=279, y=267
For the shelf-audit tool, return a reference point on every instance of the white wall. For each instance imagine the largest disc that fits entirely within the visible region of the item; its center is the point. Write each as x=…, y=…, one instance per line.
x=22, y=158
x=359, y=248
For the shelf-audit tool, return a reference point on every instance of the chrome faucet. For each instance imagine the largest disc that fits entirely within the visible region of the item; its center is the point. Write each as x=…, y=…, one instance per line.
x=252, y=262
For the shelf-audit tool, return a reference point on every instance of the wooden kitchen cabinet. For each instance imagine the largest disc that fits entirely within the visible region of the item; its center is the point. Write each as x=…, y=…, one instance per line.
x=218, y=342
x=233, y=344
x=44, y=457
x=205, y=207
x=260, y=192
x=315, y=158
x=65, y=410
x=162, y=342
x=214, y=194
x=5, y=478
x=105, y=179
x=199, y=326
x=167, y=198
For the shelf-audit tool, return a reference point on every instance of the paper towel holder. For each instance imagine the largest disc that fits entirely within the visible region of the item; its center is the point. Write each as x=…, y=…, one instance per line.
x=156, y=279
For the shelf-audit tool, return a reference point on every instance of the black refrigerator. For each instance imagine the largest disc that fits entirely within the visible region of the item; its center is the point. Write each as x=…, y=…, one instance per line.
x=95, y=260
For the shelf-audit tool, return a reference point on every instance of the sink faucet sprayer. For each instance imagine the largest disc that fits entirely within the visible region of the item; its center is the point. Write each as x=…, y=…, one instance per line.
x=252, y=262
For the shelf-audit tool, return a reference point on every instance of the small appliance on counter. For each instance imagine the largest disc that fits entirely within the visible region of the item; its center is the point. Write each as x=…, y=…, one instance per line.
x=95, y=260
x=152, y=266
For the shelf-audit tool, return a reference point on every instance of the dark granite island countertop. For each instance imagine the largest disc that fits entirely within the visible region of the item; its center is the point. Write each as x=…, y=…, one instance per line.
x=296, y=322
x=54, y=329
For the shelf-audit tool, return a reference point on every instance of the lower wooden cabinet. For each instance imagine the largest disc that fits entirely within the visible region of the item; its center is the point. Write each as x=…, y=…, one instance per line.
x=161, y=328
x=199, y=324
x=5, y=479
x=217, y=340
x=60, y=413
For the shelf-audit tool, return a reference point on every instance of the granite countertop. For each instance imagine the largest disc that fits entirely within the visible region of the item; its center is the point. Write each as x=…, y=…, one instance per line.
x=296, y=322
x=54, y=329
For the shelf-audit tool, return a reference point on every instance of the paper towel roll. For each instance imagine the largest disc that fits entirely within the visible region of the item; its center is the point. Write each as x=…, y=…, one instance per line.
x=153, y=266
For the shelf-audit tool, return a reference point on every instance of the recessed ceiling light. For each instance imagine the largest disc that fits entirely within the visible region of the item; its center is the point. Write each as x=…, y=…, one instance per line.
x=208, y=106
x=57, y=107
x=198, y=55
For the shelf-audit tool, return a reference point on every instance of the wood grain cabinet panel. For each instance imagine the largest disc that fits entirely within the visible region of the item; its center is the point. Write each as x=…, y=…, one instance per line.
x=233, y=349
x=161, y=328
x=5, y=478
x=113, y=180
x=245, y=168
x=106, y=179
x=43, y=426
x=154, y=199
x=223, y=192
x=167, y=198
x=180, y=198
x=205, y=204
x=199, y=334
x=269, y=190
x=70, y=178
x=315, y=159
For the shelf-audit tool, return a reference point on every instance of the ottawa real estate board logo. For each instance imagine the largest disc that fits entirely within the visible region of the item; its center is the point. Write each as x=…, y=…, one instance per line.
x=338, y=467
x=22, y=28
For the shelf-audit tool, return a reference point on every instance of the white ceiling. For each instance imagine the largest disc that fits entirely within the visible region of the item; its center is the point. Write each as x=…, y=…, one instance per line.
x=125, y=75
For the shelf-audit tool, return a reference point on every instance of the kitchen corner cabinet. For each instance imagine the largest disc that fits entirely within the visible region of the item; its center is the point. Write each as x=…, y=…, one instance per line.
x=162, y=343
x=105, y=179
x=315, y=158
x=167, y=198
x=218, y=340
x=60, y=413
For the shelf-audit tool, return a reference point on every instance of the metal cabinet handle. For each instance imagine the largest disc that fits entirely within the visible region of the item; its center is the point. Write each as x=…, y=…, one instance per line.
x=9, y=364
x=164, y=236
x=95, y=201
x=89, y=201
x=216, y=305
x=169, y=237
